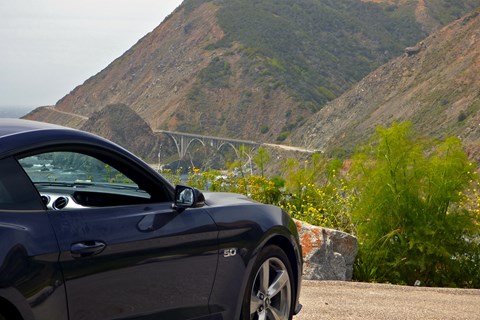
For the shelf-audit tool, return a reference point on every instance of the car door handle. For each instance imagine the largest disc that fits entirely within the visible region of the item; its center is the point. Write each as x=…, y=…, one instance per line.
x=87, y=248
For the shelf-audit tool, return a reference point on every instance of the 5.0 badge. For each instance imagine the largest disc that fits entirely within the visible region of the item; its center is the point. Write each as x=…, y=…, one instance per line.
x=229, y=252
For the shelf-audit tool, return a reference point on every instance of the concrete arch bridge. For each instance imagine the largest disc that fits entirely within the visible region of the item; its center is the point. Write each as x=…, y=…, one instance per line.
x=183, y=141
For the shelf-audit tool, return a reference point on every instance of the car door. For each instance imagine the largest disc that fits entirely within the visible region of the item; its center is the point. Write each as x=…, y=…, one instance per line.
x=138, y=259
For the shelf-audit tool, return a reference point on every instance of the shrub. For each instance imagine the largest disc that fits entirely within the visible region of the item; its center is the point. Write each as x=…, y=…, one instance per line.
x=410, y=222
x=216, y=74
x=317, y=194
x=282, y=136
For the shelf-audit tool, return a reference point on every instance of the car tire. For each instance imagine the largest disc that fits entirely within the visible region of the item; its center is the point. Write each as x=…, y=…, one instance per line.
x=270, y=291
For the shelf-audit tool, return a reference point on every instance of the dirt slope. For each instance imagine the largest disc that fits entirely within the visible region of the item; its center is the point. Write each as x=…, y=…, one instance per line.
x=438, y=89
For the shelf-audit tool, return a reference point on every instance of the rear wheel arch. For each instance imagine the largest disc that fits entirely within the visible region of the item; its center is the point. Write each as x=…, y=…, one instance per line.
x=8, y=311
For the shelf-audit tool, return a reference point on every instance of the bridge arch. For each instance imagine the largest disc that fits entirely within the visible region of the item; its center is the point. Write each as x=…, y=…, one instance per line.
x=183, y=141
x=191, y=142
x=226, y=143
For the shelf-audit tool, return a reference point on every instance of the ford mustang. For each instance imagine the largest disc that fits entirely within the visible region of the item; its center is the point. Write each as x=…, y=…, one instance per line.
x=90, y=231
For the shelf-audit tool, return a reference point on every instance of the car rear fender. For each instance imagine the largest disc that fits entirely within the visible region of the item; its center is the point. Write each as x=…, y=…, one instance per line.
x=14, y=305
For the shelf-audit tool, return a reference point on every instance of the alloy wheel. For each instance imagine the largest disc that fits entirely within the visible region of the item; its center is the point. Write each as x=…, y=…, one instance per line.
x=271, y=292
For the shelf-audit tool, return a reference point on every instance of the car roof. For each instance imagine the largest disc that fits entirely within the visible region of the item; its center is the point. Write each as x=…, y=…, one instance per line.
x=16, y=126
x=18, y=135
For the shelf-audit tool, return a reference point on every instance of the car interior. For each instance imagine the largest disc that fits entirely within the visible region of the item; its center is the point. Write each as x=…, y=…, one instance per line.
x=73, y=180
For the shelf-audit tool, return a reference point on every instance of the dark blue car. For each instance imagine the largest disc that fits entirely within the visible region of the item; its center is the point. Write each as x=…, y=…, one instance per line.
x=89, y=231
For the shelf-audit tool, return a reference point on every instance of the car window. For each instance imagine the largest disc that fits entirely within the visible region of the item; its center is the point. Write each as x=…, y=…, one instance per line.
x=80, y=181
x=70, y=167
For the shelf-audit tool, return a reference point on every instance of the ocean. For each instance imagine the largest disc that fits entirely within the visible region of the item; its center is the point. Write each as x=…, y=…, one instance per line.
x=14, y=111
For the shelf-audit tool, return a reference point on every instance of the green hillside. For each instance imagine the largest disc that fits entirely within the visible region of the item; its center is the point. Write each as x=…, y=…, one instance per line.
x=316, y=49
x=444, y=11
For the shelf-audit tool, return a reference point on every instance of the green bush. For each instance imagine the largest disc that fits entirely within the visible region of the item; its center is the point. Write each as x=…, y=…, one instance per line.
x=410, y=222
x=216, y=74
x=282, y=136
x=264, y=129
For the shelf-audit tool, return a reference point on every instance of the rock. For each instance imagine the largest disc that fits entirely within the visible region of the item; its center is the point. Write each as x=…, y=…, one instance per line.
x=328, y=254
x=410, y=51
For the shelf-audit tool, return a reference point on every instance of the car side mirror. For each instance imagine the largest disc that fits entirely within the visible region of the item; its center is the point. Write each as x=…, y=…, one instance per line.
x=188, y=197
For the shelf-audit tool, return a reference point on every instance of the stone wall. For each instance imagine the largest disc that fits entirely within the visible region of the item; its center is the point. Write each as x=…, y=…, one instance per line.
x=328, y=254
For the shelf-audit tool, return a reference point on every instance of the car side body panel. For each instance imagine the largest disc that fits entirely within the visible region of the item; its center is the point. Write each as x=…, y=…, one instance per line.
x=29, y=269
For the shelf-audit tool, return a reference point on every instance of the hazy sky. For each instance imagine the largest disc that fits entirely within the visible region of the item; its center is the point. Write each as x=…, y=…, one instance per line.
x=48, y=47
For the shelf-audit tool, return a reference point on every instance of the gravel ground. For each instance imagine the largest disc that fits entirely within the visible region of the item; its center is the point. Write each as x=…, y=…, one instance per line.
x=354, y=300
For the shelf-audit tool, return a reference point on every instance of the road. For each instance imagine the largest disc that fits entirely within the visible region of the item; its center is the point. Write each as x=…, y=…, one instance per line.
x=52, y=108
x=290, y=148
x=352, y=300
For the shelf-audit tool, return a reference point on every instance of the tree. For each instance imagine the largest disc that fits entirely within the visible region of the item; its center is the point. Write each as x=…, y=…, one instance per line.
x=261, y=159
x=410, y=224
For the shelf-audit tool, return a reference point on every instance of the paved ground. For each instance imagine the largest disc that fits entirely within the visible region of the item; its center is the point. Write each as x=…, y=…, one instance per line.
x=353, y=300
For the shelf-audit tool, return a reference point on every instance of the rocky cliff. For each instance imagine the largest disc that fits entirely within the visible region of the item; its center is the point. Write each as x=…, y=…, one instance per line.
x=436, y=87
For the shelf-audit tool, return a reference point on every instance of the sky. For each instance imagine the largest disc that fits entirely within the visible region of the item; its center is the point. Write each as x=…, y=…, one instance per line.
x=48, y=47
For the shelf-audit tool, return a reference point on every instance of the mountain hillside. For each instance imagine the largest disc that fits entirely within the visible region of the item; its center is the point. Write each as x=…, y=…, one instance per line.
x=123, y=126
x=253, y=69
x=438, y=89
